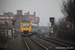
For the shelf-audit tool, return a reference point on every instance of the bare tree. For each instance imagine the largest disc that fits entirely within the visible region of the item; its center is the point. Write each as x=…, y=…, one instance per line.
x=68, y=10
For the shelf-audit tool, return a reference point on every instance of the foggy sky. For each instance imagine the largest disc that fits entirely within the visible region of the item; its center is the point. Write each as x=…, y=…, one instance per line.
x=43, y=8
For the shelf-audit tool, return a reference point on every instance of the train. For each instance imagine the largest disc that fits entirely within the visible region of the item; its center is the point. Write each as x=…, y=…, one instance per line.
x=27, y=28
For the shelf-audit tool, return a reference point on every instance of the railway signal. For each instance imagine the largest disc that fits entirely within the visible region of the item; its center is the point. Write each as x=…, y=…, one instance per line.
x=52, y=21
x=13, y=22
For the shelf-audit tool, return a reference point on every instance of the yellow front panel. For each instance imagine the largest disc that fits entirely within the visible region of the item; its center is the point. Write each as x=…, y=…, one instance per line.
x=25, y=28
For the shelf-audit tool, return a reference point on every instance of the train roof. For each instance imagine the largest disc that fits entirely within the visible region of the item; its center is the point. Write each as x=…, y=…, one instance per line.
x=25, y=21
x=31, y=23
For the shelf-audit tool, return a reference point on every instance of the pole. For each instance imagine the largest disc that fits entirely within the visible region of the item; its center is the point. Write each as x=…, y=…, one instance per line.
x=9, y=20
x=58, y=27
x=68, y=28
x=72, y=24
x=6, y=29
x=6, y=26
x=5, y=18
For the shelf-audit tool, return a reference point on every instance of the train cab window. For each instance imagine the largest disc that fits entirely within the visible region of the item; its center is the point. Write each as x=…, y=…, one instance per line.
x=25, y=25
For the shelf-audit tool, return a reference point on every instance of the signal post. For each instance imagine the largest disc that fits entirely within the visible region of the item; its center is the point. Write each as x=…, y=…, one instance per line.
x=13, y=24
x=51, y=19
x=7, y=28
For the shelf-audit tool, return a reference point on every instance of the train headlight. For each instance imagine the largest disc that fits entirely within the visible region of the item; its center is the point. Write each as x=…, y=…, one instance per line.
x=22, y=30
x=29, y=30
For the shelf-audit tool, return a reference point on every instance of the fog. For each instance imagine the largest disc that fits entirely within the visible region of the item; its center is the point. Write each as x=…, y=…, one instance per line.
x=43, y=8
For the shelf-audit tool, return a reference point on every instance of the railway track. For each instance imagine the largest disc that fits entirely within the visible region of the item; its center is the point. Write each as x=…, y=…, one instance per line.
x=62, y=43
x=33, y=44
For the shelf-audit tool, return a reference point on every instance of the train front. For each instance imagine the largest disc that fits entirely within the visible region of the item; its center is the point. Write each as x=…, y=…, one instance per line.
x=26, y=28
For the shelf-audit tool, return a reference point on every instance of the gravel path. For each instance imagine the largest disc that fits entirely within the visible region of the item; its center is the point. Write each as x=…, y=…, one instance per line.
x=18, y=44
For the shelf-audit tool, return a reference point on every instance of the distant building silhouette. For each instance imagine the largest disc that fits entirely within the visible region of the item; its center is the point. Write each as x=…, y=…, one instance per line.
x=19, y=17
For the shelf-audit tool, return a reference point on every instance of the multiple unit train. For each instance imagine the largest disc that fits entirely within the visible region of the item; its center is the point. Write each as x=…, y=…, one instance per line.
x=27, y=28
